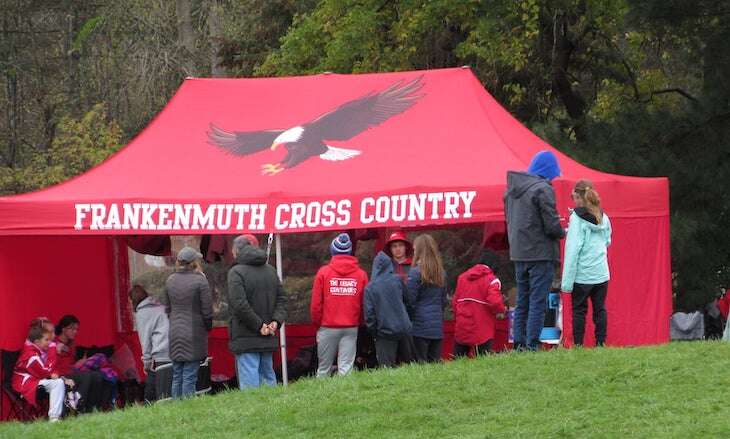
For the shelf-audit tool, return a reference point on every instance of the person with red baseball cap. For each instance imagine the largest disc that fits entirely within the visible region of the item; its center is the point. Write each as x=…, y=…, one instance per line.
x=400, y=251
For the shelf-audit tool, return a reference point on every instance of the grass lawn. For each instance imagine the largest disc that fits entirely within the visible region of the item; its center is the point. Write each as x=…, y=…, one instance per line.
x=676, y=390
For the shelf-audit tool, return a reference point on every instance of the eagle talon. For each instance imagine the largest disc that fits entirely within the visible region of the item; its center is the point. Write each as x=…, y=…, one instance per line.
x=271, y=169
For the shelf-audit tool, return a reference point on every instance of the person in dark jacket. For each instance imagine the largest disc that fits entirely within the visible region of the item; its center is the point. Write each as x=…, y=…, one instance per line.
x=534, y=232
x=426, y=299
x=336, y=307
x=258, y=309
x=386, y=316
x=188, y=304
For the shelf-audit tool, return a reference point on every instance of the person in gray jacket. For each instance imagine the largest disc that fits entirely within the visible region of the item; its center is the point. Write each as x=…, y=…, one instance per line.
x=258, y=309
x=386, y=316
x=188, y=304
x=153, y=328
x=534, y=233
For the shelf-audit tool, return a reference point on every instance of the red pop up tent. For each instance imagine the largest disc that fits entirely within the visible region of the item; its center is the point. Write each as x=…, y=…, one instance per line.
x=298, y=154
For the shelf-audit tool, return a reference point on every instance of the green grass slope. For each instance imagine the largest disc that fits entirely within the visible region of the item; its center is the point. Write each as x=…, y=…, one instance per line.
x=676, y=390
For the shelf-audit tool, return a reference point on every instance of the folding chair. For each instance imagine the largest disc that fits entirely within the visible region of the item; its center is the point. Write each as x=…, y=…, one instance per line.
x=163, y=380
x=19, y=409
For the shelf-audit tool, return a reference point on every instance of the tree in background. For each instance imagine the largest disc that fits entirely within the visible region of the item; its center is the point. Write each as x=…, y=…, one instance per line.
x=626, y=86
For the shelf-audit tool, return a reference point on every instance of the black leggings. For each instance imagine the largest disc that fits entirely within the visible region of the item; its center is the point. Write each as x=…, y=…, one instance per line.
x=462, y=350
x=94, y=390
x=597, y=293
x=427, y=350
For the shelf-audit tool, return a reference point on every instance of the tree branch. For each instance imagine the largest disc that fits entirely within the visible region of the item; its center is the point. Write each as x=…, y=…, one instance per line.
x=673, y=90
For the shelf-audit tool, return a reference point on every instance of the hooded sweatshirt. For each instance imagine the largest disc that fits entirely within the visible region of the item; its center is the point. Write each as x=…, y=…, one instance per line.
x=533, y=225
x=337, y=293
x=255, y=297
x=586, y=260
x=153, y=329
x=476, y=301
x=385, y=310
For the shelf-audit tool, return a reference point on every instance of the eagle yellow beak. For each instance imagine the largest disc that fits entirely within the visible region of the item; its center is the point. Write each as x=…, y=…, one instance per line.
x=274, y=146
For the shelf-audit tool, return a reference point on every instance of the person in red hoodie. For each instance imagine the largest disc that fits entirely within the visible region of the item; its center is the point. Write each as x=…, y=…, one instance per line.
x=336, y=307
x=477, y=304
x=32, y=371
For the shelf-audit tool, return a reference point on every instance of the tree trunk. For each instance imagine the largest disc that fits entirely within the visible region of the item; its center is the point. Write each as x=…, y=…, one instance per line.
x=186, y=36
x=563, y=48
x=215, y=34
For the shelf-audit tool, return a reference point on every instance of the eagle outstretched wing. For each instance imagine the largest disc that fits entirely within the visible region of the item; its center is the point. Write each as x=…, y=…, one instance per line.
x=242, y=142
x=356, y=116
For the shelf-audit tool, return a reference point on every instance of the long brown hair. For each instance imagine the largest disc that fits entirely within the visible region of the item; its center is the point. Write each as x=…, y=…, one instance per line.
x=428, y=258
x=584, y=189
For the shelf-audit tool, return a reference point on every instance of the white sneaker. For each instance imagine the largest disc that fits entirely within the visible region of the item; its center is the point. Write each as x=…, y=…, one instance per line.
x=53, y=420
x=72, y=400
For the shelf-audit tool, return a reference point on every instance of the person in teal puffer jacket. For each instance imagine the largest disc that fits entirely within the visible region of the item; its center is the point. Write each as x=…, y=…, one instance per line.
x=585, y=267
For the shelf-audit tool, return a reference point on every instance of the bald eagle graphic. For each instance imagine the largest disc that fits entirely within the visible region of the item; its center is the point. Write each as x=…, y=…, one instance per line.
x=309, y=139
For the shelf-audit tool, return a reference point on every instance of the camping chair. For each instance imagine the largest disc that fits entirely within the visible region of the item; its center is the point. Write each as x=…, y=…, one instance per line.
x=19, y=409
x=163, y=380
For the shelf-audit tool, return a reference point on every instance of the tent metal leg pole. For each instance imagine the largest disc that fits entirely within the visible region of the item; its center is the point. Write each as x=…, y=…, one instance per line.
x=282, y=330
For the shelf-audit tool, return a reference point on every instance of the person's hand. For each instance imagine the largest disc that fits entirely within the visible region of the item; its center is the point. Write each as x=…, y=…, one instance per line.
x=273, y=326
x=54, y=376
x=500, y=316
x=69, y=382
x=264, y=329
x=148, y=364
x=60, y=347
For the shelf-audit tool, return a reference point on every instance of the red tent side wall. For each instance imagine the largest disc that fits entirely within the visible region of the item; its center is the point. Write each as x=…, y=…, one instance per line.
x=639, y=301
x=54, y=276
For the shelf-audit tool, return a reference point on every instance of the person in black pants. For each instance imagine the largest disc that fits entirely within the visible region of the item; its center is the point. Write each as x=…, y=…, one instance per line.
x=426, y=299
x=585, y=270
x=386, y=316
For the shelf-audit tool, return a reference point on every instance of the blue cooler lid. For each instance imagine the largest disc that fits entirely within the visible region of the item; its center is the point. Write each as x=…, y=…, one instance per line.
x=550, y=333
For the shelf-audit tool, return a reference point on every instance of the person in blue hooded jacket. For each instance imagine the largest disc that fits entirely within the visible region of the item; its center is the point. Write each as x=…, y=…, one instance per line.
x=585, y=270
x=386, y=316
x=534, y=233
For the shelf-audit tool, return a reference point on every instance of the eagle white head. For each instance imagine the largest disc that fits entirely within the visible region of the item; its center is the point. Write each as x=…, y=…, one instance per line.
x=289, y=136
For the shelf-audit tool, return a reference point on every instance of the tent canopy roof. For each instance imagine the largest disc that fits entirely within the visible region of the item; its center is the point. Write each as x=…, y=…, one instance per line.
x=443, y=134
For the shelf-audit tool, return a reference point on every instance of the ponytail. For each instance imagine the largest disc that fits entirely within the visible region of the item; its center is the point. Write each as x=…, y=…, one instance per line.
x=584, y=189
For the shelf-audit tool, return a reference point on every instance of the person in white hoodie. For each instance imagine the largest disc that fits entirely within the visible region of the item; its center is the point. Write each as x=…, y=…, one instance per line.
x=153, y=328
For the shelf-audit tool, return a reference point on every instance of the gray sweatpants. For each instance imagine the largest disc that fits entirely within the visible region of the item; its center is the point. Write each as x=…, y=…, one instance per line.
x=339, y=342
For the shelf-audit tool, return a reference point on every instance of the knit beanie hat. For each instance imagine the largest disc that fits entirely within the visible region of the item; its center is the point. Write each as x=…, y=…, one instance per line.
x=545, y=164
x=341, y=245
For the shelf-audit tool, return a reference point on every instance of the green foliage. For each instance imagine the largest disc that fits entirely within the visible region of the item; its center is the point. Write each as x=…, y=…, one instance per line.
x=79, y=145
x=578, y=393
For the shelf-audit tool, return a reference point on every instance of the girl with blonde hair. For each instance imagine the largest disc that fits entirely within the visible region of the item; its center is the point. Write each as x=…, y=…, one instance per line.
x=426, y=299
x=585, y=267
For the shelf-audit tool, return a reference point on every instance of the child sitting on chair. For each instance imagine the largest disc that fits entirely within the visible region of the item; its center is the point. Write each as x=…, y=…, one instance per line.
x=33, y=370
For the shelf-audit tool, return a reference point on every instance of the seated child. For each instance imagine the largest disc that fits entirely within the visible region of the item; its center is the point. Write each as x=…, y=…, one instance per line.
x=33, y=370
x=477, y=304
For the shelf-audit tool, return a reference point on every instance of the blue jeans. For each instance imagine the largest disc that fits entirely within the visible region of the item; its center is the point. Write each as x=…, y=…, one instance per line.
x=255, y=369
x=184, y=378
x=533, y=285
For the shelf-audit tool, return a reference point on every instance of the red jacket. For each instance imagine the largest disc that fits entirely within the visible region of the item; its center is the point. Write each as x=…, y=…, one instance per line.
x=337, y=293
x=32, y=366
x=63, y=360
x=476, y=302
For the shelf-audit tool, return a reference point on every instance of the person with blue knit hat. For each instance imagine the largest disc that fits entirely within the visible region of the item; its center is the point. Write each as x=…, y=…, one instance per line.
x=336, y=307
x=534, y=232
